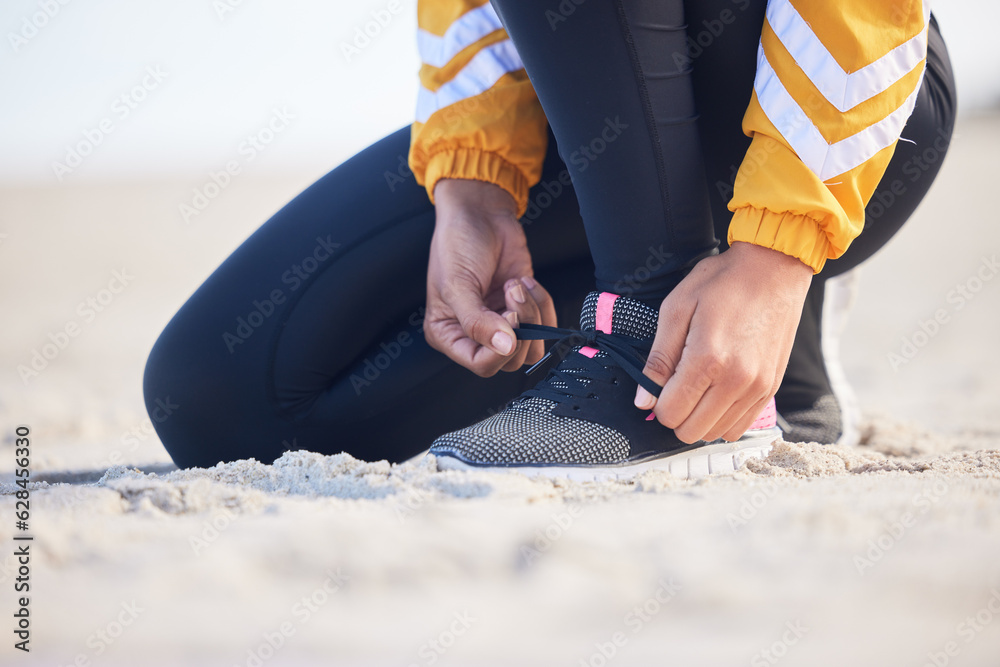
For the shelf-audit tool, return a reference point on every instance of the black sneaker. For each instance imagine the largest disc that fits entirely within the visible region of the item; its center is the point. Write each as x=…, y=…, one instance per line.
x=580, y=420
x=815, y=403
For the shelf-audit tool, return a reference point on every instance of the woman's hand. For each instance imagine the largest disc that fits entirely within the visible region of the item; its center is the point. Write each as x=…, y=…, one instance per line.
x=722, y=342
x=480, y=281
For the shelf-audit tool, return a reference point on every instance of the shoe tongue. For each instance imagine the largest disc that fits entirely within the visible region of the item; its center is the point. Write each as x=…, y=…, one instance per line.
x=612, y=313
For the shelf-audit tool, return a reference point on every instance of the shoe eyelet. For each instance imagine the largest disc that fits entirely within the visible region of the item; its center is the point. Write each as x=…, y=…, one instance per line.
x=614, y=381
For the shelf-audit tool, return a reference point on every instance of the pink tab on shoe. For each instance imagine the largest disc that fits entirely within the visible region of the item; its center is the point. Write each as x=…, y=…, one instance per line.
x=605, y=307
x=767, y=419
x=587, y=351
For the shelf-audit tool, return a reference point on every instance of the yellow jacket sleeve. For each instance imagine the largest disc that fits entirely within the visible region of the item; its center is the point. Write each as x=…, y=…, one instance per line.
x=835, y=84
x=477, y=115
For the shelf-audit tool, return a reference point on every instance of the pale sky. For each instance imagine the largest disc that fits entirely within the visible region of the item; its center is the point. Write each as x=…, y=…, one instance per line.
x=220, y=76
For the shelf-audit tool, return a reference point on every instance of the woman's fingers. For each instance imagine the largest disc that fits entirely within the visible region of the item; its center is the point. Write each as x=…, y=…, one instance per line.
x=743, y=424
x=542, y=299
x=460, y=325
x=447, y=336
x=516, y=360
x=547, y=312
x=481, y=324
x=521, y=305
x=674, y=322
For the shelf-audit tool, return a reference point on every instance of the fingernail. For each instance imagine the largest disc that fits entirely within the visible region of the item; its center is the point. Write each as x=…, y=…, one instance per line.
x=511, y=318
x=502, y=343
x=517, y=293
x=529, y=282
x=643, y=399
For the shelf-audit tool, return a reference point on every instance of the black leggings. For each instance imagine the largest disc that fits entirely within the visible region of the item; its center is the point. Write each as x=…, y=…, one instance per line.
x=309, y=335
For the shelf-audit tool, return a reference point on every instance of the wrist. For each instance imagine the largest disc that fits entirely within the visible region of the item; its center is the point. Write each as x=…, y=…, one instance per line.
x=459, y=194
x=771, y=265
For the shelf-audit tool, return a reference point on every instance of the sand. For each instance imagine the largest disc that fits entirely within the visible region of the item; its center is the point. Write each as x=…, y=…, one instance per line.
x=883, y=554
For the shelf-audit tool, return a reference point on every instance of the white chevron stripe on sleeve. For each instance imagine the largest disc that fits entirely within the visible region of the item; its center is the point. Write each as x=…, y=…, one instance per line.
x=478, y=76
x=843, y=90
x=824, y=159
x=468, y=29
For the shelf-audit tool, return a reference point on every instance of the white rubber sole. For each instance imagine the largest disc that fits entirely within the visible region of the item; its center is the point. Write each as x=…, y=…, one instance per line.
x=838, y=299
x=716, y=458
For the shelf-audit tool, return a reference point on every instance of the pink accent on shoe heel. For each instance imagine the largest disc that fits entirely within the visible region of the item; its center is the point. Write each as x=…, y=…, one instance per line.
x=767, y=419
x=605, y=306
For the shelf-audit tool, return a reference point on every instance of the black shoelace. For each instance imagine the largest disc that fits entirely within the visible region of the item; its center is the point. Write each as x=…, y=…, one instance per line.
x=576, y=371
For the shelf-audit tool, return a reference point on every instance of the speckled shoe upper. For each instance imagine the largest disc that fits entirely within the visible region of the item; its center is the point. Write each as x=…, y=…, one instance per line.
x=582, y=412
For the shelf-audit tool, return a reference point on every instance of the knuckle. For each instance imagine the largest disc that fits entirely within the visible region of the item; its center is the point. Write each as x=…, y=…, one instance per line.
x=529, y=312
x=475, y=328
x=545, y=300
x=775, y=385
x=664, y=416
x=710, y=365
x=760, y=386
x=742, y=376
x=435, y=343
x=484, y=371
x=686, y=434
x=457, y=285
x=692, y=381
x=659, y=365
x=433, y=338
x=448, y=290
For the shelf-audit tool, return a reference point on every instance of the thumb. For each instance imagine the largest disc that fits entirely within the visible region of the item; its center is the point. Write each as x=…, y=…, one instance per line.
x=479, y=323
x=668, y=344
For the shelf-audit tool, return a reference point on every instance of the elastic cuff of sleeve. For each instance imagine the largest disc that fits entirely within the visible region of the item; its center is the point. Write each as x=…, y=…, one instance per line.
x=476, y=165
x=795, y=235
